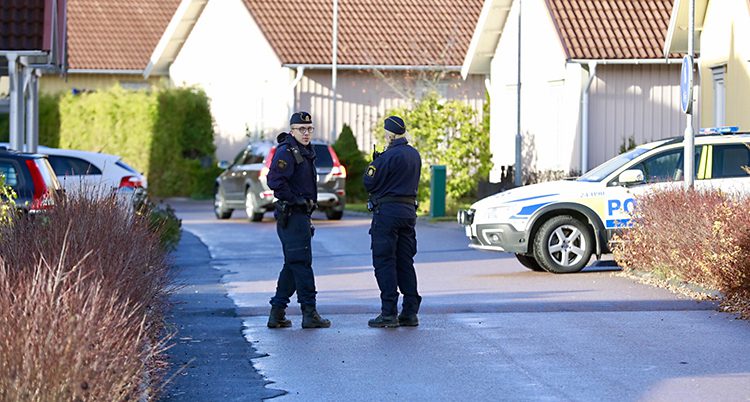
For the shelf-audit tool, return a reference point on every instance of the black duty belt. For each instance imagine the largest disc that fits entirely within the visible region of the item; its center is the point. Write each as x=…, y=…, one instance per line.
x=402, y=200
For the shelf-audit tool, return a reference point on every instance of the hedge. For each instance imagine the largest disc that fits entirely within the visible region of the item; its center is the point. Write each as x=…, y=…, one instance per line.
x=49, y=122
x=166, y=134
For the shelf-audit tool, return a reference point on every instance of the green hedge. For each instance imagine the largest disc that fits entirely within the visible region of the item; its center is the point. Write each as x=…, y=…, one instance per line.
x=167, y=134
x=49, y=122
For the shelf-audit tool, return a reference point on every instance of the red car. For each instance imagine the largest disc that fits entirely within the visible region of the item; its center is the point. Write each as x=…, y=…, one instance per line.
x=32, y=179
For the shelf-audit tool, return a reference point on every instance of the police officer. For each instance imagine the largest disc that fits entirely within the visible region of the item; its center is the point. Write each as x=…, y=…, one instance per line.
x=392, y=180
x=293, y=179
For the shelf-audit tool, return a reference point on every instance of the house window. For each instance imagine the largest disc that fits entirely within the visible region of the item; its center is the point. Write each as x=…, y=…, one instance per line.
x=719, y=94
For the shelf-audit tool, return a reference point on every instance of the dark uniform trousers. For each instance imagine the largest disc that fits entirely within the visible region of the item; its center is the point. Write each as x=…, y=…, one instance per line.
x=394, y=245
x=297, y=274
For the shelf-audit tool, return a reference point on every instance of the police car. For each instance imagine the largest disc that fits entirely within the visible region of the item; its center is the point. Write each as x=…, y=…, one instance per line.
x=557, y=226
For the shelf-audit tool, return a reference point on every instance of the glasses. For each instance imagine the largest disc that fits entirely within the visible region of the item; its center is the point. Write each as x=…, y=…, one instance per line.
x=304, y=130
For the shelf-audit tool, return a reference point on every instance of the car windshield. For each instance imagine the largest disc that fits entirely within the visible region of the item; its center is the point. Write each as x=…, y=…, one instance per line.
x=322, y=156
x=606, y=168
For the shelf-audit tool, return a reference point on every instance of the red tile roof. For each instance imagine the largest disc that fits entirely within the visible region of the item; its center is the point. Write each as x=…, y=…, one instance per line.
x=371, y=32
x=612, y=29
x=21, y=24
x=115, y=34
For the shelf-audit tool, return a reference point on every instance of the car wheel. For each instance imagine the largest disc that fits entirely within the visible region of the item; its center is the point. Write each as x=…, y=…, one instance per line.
x=563, y=244
x=220, y=209
x=250, y=207
x=334, y=215
x=529, y=262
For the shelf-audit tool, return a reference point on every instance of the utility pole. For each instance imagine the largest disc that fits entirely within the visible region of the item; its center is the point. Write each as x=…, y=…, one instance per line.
x=334, y=50
x=519, y=139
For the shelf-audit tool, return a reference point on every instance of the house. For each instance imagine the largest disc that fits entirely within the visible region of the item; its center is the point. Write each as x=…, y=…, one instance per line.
x=109, y=42
x=722, y=39
x=593, y=80
x=259, y=60
x=32, y=43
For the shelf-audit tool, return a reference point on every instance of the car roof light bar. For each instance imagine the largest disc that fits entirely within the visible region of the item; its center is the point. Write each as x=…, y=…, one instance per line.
x=720, y=130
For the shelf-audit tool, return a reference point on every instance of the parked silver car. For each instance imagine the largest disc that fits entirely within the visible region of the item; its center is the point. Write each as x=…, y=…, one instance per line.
x=243, y=184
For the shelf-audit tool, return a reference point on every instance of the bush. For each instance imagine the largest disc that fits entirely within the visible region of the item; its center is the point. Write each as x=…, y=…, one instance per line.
x=354, y=160
x=701, y=237
x=445, y=133
x=7, y=203
x=163, y=220
x=82, y=302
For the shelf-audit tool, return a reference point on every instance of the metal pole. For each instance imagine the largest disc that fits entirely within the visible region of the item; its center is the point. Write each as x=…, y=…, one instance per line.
x=334, y=68
x=689, y=133
x=32, y=112
x=519, y=139
x=15, y=71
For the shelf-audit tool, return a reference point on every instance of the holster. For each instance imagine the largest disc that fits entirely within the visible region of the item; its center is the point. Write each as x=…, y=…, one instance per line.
x=284, y=212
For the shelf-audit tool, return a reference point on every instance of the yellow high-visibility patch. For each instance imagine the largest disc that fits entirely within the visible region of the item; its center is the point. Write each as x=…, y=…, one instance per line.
x=371, y=171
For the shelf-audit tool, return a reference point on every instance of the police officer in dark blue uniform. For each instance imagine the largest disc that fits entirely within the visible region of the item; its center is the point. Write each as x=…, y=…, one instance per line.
x=392, y=180
x=293, y=179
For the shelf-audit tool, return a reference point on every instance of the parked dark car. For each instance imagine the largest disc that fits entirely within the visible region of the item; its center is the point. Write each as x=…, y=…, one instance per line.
x=32, y=179
x=243, y=184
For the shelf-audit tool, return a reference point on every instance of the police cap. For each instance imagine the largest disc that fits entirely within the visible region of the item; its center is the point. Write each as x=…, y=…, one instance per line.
x=300, y=118
x=395, y=125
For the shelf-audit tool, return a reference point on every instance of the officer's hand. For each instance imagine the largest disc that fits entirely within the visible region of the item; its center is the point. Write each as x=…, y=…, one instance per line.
x=311, y=205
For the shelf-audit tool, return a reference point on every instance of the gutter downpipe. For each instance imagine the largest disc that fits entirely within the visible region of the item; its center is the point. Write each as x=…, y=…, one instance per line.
x=585, y=118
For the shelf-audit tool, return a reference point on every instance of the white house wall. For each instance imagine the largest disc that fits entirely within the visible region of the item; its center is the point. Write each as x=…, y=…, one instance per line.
x=633, y=101
x=363, y=98
x=550, y=95
x=227, y=55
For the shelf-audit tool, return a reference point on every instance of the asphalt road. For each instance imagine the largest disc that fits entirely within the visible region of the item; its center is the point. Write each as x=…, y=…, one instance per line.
x=489, y=328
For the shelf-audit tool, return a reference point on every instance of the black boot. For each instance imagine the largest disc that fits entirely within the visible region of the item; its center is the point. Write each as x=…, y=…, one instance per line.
x=384, y=321
x=408, y=320
x=311, y=318
x=277, y=318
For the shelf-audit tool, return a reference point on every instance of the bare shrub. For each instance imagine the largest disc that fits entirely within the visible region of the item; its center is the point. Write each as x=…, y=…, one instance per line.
x=701, y=237
x=82, y=296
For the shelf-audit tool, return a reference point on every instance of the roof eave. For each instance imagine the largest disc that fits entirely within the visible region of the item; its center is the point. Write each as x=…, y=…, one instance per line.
x=174, y=36
x=486, y=35
x=372, y=67
x=111, y=71
x=659, y=60
x=676, y=40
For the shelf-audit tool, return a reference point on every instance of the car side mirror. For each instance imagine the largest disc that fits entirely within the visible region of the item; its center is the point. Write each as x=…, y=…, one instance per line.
x=630, y=176
x=223, y=165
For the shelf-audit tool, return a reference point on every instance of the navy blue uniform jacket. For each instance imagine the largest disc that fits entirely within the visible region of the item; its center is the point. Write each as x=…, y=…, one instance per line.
x=395, y=173
x=291, y=181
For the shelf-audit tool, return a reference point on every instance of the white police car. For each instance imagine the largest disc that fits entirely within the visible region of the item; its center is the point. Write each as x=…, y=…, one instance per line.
x=557, y=226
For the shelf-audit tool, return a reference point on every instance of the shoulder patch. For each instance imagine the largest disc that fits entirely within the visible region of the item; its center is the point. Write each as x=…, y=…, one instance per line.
x=371, y=171
x=281, y=164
